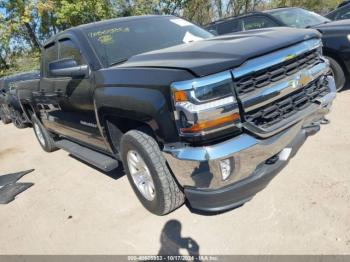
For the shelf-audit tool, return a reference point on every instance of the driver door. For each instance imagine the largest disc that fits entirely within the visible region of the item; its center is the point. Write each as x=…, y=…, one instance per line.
x=74, y=116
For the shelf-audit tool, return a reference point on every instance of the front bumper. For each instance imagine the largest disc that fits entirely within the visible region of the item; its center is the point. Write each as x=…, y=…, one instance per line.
x=197, y=169
x=231, y=196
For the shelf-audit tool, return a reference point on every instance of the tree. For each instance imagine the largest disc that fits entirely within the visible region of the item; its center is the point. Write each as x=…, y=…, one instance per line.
x=68, y=13
x=137, y=7
x=27, y=23
x=4, y=45
x=171, y=7
x=22, y=20
x=48, y=20
x=313, y=5
x=198, y=11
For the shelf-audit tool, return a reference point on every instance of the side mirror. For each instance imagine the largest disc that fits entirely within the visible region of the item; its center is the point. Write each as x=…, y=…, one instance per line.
x=68, y=67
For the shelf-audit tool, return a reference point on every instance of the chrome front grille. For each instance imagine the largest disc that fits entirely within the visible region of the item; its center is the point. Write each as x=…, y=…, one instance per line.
x=283, y=108
x=277, y=89
x=265, y=77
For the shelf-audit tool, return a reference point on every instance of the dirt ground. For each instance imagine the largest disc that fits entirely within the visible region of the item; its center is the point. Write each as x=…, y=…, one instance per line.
x=75, y=209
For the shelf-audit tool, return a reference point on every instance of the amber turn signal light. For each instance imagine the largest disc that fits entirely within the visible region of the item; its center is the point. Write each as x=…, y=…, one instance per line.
x=180, y=96
x=200, y=126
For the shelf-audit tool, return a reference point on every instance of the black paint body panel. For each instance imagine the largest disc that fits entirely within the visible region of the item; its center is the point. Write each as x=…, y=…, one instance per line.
x=223, y=52
x=97, y=109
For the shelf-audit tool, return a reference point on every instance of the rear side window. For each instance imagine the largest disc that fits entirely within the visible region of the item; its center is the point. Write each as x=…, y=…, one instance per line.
x=50, y=54
x=257, y=22
x=68, y=49
x=344, y=13
x=229, y=27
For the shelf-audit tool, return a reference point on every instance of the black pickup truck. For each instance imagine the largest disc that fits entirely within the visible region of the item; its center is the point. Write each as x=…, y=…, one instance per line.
x=191, y=116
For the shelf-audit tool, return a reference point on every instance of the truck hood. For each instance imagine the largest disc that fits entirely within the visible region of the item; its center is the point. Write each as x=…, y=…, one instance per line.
x=220, y=53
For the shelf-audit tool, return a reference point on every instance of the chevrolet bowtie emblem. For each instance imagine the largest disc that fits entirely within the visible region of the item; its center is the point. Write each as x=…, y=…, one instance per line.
x=301, y=80
x=304, y=80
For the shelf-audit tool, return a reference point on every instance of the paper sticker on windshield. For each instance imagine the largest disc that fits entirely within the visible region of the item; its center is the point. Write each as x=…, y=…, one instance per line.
x=188, y=38
x=180, y=22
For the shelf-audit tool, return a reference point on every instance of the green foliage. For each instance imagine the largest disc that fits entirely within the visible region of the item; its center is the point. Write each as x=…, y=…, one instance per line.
x=136, y=7
x=198, y=11
x=314, y=5
x=27, y=61
x=5, y=36
x=70, y=13
x=28, y=23
x=21, y=20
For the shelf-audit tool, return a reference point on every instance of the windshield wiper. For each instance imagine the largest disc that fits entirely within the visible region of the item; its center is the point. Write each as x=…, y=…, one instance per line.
x=120, y=61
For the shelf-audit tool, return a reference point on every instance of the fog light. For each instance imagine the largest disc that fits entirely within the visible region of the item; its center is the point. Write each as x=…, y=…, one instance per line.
x=226, y=168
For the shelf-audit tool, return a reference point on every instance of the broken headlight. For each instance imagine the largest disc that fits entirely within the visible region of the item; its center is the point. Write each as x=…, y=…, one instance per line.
x=205, y=105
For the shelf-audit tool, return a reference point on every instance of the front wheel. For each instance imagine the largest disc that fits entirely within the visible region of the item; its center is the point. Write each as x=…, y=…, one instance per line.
x=338, y=73
x=148, y=173
x=43, y=136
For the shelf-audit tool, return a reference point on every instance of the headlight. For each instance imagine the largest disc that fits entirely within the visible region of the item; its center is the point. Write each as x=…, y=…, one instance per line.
x=205, y=105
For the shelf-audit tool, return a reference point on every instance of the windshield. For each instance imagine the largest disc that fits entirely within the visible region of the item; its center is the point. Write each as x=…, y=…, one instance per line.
x=297, y=17
x=115, y=42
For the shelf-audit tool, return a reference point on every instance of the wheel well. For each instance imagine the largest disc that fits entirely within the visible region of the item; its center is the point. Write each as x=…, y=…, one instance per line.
x=115, y=127
x=338, y=59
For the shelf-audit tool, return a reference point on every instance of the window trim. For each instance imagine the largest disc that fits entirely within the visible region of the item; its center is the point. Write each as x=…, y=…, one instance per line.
x=67, y=38
x=44, y=65
x=257, y=16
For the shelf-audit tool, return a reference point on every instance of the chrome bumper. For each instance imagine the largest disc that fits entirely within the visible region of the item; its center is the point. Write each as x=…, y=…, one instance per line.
x=199, y=166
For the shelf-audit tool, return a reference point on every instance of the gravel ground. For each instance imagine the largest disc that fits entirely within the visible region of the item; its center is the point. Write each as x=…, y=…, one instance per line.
x=75, y=209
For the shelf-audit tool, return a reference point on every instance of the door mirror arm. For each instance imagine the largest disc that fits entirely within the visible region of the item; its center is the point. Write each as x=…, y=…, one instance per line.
x=68, y=68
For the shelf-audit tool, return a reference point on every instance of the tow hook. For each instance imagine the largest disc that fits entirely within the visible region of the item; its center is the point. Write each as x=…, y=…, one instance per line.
x=325, y=121
x=312, y=129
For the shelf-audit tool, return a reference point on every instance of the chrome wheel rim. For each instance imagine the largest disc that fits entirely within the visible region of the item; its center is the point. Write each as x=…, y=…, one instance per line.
x=141, y=175
x=39, y=134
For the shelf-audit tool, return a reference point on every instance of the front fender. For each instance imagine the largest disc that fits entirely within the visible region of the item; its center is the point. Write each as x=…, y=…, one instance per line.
x=145, y=105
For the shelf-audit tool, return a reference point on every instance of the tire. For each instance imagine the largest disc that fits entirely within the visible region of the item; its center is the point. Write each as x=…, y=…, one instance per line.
x=167, y=194
x=6, y=120
x=43, y=136
x=17, y=120
x=338, y=73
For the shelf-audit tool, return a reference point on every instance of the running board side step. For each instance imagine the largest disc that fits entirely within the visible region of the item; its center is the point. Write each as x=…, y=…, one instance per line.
x=99, y=160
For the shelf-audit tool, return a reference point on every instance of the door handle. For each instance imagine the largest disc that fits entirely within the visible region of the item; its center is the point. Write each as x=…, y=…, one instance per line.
x=59, y=92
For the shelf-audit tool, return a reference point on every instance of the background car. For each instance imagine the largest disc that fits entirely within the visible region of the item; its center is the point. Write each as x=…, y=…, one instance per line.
x=10, y=109
x=341, y=13
x=336, y=35
x=343, y=3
